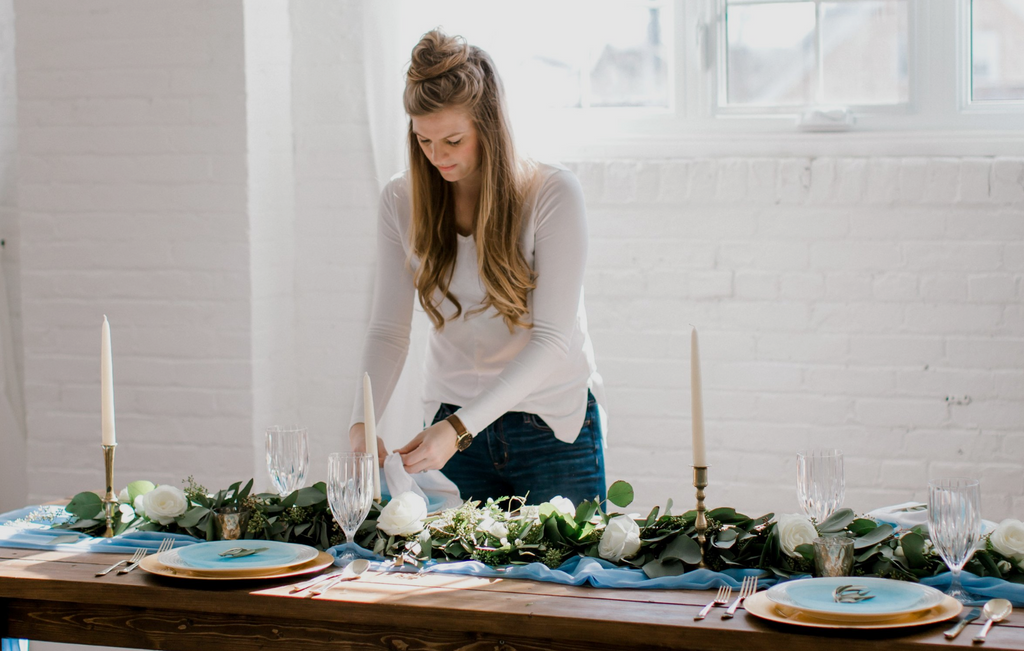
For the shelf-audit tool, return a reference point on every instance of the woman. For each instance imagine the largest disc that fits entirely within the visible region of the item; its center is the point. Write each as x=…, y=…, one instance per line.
x=495, y=248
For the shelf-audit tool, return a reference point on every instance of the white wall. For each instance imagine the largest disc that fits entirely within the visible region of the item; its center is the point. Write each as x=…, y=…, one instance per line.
x=840, y=300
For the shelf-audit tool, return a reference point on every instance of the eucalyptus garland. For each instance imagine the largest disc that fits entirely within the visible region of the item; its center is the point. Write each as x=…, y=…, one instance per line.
x=508, y=531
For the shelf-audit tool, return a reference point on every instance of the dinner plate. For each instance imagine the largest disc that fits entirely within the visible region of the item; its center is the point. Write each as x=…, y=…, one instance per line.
x=206, y=556
x=891, y=598
x=153, y=565
x=761, y=606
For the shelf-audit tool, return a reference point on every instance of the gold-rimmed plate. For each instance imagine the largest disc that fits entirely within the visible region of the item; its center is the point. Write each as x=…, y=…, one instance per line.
x=153, y=565
x=759, y=605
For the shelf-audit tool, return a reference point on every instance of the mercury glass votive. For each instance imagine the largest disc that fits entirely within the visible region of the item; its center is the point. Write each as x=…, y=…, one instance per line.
x=833, y=556
x=231, y=522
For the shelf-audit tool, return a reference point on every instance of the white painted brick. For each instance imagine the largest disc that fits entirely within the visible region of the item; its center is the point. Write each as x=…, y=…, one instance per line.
x=790, y=223
x=985, y=352
x=1008, y=385
x=904, y=474
x=811, y=347
x=1013, y=256
x=769, y=256
x=898, y=225
x=807, y=409
x=895, y=287
x=913, y=179
x=848, y=286
x=675, y=181
x=756, y=376
x=1008, y=180
x=756, y=285
x=732, y=180
x=794, y=180
x=857, y=317
x=944, y=287
x=823, y=180
x=963, y=256
x=648, y=181
x=808, y=286
x=892, y=350
x=883, y=180
x=992, y=288
x=952, y=318
x=620, y=182
x=850, y=381
x=703, y=180
x=994, y=224
x=762, y=180
x=874, y=256
x=904, y=412
x=942, y=180
x=851, y=180
x=945, y=382
x=709, y=284
x=975, y=176
x=764, y=315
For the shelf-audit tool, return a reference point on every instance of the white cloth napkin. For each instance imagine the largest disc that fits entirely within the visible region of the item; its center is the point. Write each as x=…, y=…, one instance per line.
x=431, y=485
x=910, y=514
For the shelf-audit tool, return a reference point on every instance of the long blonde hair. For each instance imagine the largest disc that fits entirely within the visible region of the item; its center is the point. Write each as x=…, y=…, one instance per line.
x=447, y=72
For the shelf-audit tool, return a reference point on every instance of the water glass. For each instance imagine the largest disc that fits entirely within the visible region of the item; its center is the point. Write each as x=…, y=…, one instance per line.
x=350, y=490
x=287, y=458
x=820, y=484
x=954, y=524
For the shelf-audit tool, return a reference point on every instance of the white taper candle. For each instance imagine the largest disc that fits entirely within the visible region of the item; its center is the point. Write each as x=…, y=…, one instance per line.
x=697, y=403
x=106, y=387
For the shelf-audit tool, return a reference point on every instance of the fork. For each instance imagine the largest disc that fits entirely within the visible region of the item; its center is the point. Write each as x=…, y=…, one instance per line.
x=165, y=545
x=136, y=556
x=720, y=599
x=747, y=588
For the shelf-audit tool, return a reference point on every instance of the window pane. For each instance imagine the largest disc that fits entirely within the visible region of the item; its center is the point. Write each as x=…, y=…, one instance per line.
x=997, y=49
x=771, y=53
x=864, y=52
x=629, y=58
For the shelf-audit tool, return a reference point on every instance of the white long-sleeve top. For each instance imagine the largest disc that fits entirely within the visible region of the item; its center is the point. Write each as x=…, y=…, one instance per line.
x=474, y=361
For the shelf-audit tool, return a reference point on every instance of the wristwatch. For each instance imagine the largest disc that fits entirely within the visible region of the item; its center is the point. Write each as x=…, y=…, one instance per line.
x=465, y=439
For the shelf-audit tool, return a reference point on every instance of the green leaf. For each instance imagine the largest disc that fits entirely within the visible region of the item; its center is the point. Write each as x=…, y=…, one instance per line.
x=876, y=535
x=682, y=548
x=913, y=550
x=861, y=526
x=658, y=568
x=307, y=496
x=652, y=517
x=87, y=506
x=551, y=532
x=192, y=517
x=837, y=521
x=725, y=539
x=585, y=511
x=137, y=488
x=668, y=507
x=289, y=501
x=726, y=515
x=620, y=494
x=806, y=550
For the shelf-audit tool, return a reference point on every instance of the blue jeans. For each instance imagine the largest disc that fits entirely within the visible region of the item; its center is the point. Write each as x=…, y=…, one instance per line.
x=518, y=455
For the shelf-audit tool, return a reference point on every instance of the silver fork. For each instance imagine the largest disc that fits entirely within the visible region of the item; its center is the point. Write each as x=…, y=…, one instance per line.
x=747, y=588
x=165, y=545
x=136, y=556
x=720, y=599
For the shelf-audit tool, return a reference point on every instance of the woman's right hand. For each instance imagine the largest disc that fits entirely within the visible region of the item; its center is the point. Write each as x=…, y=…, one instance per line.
x=357, y=439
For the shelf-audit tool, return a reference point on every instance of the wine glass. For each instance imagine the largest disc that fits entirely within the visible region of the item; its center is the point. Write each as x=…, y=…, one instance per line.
x=954, y=524
x=350, y=491
x=287, y=457
x=820, y=484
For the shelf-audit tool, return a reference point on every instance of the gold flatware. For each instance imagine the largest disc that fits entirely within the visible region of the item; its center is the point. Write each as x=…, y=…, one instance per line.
x=747, y=588
x=136, y=557
x=720, y=599
x=351, y=572
x=165, y=545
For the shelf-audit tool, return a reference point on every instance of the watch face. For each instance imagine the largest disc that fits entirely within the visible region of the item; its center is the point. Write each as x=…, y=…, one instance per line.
x=464, y=441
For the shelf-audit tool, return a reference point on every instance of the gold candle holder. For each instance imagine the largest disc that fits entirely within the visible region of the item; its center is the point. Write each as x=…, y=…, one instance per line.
x=109, y=500
x=700, y=482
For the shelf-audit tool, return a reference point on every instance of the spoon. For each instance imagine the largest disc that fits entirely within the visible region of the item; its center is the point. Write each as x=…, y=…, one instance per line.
x=996, y=610
x=351, y=572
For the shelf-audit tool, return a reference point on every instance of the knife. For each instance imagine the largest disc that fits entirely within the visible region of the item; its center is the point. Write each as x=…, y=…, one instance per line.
x=962, y=624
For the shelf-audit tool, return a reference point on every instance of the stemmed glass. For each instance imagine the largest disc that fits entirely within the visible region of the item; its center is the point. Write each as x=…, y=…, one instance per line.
x=350, y=491
x=954, y=524
x=820, y=484
x=287, y=457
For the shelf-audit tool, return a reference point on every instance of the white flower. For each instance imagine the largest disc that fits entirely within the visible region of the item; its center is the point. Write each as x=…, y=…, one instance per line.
x=403, y=515
x=1004, y=566
x=493, y=528
x=1008, y=539
x=563, y=505
x=795, y=530
x=529, y=513
x=122, y=497
x=620, y=540
x=164, y=503
x=127, y=512
x=139, y=508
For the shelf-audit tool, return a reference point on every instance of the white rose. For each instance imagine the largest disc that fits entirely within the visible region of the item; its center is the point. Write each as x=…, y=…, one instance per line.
x=529, y=513
x=1008, y=539
x=620, y=540
x=164, y=503
x=139, y=508
x=795, y=530
x=493, y=528
x=1004, y=566
x=403, y=515
x=563, y=505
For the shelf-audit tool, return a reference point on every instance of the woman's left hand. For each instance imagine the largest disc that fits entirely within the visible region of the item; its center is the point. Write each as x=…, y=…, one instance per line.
x=430, y=449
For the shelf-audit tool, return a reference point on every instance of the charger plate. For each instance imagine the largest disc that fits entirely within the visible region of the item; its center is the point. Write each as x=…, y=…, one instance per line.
x=206, y=556
x=759, y=605
x=153, y=565
x=891, y=598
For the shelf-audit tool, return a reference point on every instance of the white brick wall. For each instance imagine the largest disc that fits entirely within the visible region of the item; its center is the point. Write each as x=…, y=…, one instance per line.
x=840, y=300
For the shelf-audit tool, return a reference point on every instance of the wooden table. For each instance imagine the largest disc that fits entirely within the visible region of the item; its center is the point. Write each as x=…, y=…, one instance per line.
x=55, y=596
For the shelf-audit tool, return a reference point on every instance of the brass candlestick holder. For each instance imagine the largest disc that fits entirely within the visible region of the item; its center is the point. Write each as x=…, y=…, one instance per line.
x=109, y=499
x=700, y=482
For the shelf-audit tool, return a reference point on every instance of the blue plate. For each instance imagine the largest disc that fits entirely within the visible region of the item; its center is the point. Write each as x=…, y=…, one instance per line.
x=891, y=598
x=207, y=556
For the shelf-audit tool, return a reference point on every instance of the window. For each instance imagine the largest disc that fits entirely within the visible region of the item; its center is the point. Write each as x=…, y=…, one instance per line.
x=997, y=50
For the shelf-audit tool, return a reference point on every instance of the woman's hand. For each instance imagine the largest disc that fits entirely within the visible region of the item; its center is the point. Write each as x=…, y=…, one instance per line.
x=357, y=438
x=431, y=448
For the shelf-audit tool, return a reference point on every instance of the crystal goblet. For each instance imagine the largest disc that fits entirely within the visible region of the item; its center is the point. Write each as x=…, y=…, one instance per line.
x=287, y=458
x=954, y=524
x=820, y=483
x=350, y=491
